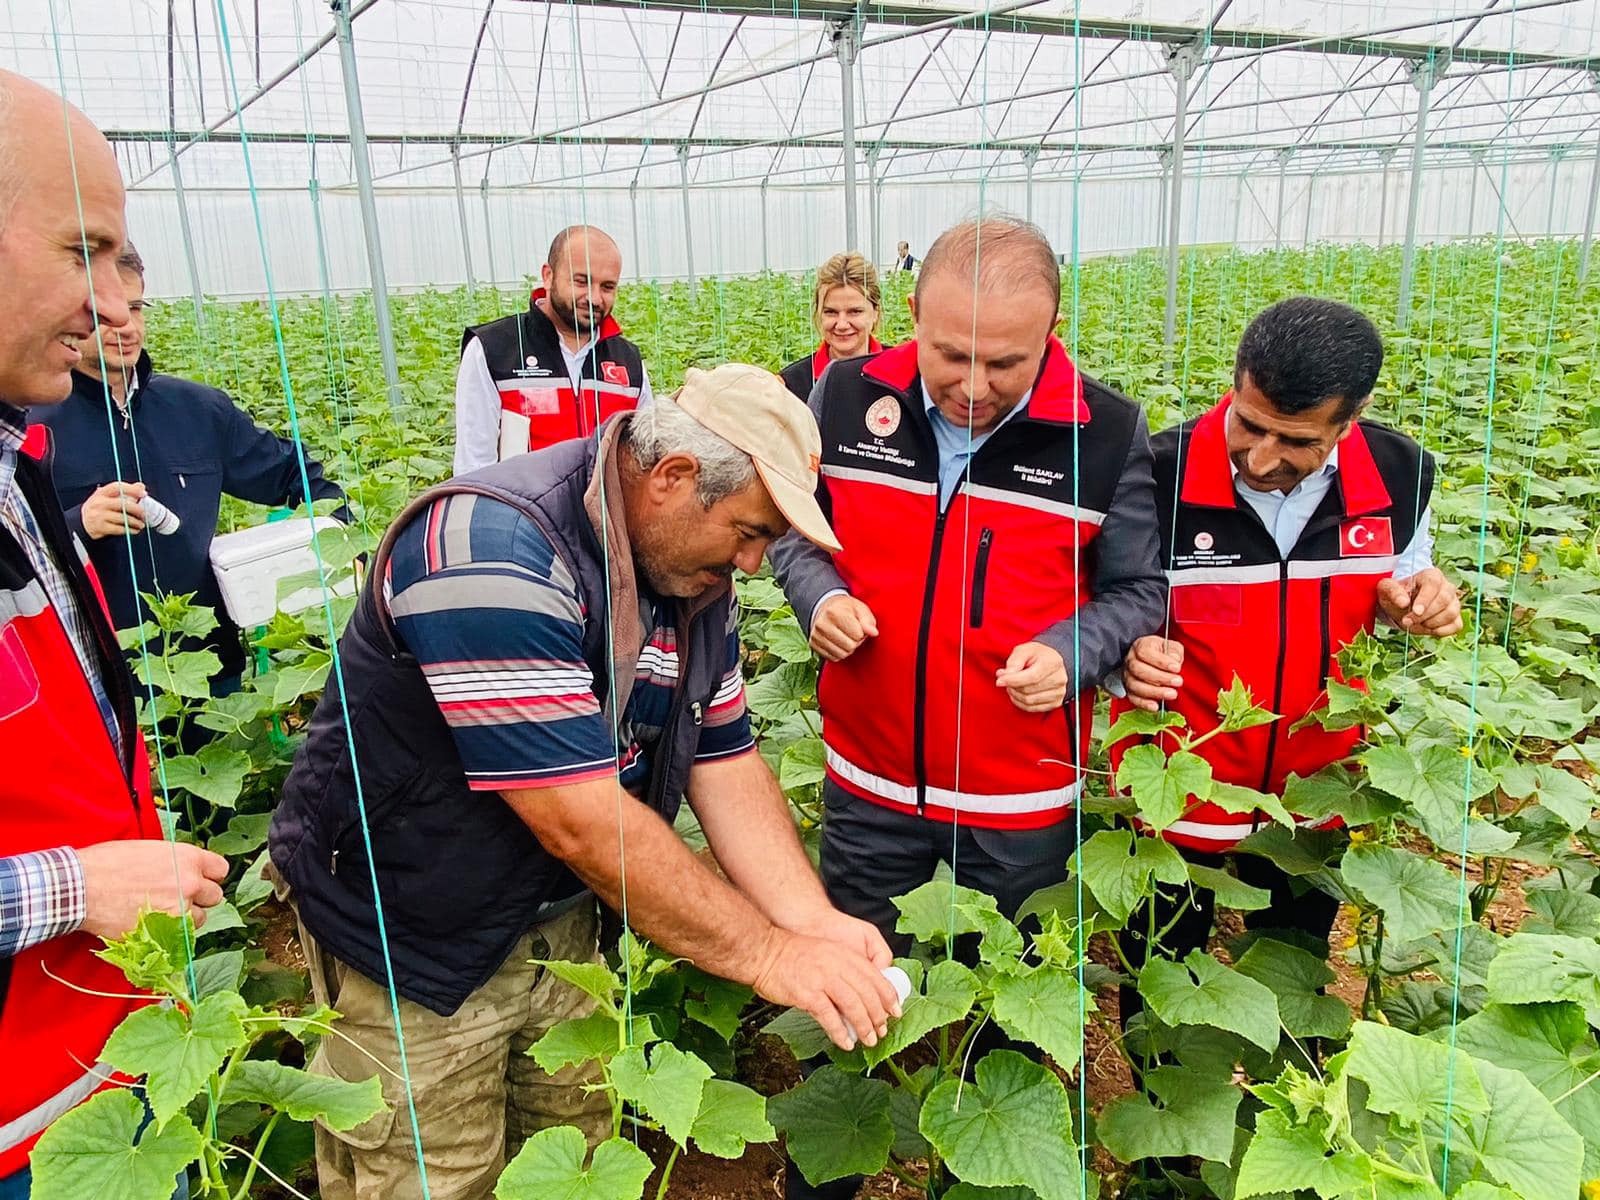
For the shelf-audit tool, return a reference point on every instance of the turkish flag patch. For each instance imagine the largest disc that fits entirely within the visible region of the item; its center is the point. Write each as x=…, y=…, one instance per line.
x=1366, y=537
x=614, y=373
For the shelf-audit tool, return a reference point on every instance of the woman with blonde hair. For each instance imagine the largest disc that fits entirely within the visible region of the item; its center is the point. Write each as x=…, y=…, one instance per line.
x=845, y=308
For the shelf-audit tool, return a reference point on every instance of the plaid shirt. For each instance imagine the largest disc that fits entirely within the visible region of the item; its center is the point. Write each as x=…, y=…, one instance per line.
x=41, y=894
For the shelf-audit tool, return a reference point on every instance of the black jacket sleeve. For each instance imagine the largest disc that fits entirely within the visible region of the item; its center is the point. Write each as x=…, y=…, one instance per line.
x=262, y=467
x=1129, y=588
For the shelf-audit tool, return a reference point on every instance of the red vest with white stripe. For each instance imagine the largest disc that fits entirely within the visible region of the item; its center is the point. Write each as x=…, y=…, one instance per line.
x=913, y=719
x=538, y=406
x=1279, y=623
x=63, y=785
x=802, y=374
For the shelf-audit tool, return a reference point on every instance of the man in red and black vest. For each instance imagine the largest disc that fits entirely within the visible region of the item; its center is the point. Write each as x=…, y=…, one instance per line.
x=1288, y=526
x=80, y=848
x=555, y=372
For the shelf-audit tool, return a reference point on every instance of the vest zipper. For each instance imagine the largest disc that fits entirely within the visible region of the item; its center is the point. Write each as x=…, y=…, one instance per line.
x=1277, y=685
x=1325, y=658
x=980, y=577
x=919, y=726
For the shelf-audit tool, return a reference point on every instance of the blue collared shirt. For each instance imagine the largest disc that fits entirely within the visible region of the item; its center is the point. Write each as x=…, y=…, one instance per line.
x=957, y=443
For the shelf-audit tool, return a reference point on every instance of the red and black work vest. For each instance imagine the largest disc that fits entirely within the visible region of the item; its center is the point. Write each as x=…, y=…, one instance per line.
x=1279, y=622
x=802, y=374
x=913, y=719
x=63, y=785
x=538, y=406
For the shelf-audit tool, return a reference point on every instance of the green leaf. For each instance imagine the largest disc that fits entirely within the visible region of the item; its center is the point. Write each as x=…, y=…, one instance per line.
x=253, y=887
x=218, y=972
x=802, y=764
x=1044, y=1006
x=245, y=833
x=1554, y=1047
x=552, y=1166
x=152, y=955
x=1161, y=784
x=835, y=1124
x=291, y=682
x=1118, y=868
x=1009, y=1127
x=945, y=996
x=800, y=1032
x=1194, y=1116
x=1295, y=975
x=905, y=1106
x=782, y=692
x=1232, y=798
x=1238, y=709
x=1283, y=1157
x=1431, y=780
x=1230, y=890
x=230, y=714
x=187, y=674
x=939, y=910
x=1337, y=792
x=731, y=1116
x=1201, y=991
x=1533, y=968
x=1576, y=914
x=219, y=919
x=337, y=1103
x=761, y=595
x=1412, y=1077
x=668, y=1087
x=1561, y=792
x=786, y=639
x=1302, y=851
x=578, y=1040
x=1521, y=1141
x=215, y=775
x=1583, y=611
x=1137, y=722
x=178, y=1054
x=1416, y=895
x=719, y=1003
x=90, y=1151
x=592, y=979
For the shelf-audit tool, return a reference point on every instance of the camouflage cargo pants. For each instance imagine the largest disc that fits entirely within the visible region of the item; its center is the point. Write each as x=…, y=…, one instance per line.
x=477, y=1094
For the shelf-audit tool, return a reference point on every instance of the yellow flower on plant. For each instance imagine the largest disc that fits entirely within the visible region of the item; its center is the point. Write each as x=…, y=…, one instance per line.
x=1591, y=1189
x=1357, y=836
x=1565, y=542
x=1530, y=562
x=1350, y=942
x=1503, y=569
x=1464, y=751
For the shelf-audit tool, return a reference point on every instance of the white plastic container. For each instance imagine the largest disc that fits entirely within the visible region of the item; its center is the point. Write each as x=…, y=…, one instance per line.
x=249, y=563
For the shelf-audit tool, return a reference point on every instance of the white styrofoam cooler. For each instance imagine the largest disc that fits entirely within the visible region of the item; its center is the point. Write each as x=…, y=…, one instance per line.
x=249, y=563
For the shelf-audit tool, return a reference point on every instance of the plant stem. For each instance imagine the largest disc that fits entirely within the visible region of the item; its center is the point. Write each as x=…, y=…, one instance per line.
x=261, y=1148
x=666, y=1171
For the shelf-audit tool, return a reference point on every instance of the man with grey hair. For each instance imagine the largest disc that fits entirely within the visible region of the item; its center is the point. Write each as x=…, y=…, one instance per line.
x=997, y=510
x=556, y=371
x=80, y=848
x=543, y=663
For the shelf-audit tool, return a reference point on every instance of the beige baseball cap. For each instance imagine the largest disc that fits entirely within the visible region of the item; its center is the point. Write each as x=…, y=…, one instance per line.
x=751, y=408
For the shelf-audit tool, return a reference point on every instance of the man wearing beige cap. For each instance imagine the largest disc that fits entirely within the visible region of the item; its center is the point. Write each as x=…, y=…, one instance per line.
x=558, y=629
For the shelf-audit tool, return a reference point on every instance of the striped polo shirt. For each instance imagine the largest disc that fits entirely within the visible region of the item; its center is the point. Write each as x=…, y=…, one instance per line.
x=495, y=619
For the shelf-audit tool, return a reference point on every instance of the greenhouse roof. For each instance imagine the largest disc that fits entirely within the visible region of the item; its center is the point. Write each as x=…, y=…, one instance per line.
x=633, y=94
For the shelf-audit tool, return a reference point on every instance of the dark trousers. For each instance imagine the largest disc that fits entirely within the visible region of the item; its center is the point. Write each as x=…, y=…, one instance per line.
x=1297, y=910
x=872, y=854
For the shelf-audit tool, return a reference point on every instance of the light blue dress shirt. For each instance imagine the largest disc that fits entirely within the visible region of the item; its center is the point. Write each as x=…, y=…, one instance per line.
x=957, y=444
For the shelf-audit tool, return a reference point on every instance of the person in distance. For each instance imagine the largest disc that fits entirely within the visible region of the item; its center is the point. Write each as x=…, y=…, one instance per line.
x=845, y=308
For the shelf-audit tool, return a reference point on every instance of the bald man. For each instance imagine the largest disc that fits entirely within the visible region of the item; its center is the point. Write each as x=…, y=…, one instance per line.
x=80, y=848
x=555, y=372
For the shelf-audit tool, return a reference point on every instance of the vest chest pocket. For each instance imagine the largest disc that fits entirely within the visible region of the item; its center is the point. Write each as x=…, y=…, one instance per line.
x=1208, y=604
x=19, y=682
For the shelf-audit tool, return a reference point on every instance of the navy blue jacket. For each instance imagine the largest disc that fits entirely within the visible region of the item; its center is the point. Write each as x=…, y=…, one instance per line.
x=188, y=444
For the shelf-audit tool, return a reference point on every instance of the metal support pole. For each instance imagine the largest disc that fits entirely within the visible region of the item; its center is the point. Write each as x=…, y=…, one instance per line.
x=1557, y=153
x=1311, y=195
x=766, y=254
x=1284, y=156
x=488, y=235
x=1182, y=64
x=1477, y=157
x=188, y=238
x=846, y=41
x=688, y=225
x=461, y=215
x=1164, y=157
x=1030, y=156
x=1588, y=218
x=1385, y=156
x=872, y=204
x=633, y=213
x=369, y=208
x=1422, y=76
x=1238, y=210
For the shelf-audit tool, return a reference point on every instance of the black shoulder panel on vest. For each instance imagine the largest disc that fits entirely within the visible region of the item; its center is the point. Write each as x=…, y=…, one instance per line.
x=797, y=377
x=1407, y=469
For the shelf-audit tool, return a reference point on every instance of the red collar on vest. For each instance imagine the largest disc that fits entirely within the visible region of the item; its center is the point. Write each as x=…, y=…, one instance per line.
x=36, y=442
x=1057, y=393
x=608, y=327
x=821, y=359
x=1209, y=478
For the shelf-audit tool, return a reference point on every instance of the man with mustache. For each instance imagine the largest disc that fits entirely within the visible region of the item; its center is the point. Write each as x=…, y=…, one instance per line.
x=543, y=664
x=1289, y=525
x=556, y=371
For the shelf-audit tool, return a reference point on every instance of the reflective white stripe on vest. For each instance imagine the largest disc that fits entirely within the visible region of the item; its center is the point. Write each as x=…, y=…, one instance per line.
x=1189, y=576
x=857, y=475
x=973, y=802
x=1072, y=512
x=36, y=1120
x=510, y=389
x=1207, y=832
x=29, y=600
x=1378, y=564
